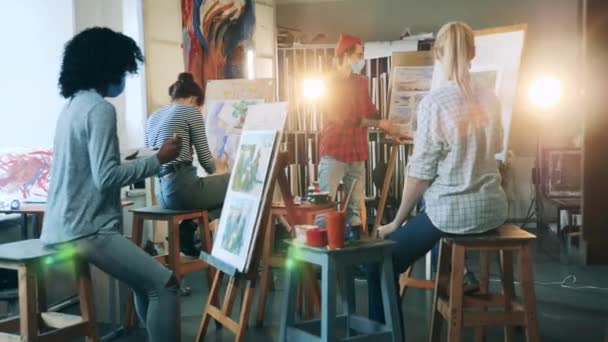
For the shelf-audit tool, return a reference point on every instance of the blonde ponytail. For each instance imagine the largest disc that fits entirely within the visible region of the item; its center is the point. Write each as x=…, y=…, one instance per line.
x=455, y=48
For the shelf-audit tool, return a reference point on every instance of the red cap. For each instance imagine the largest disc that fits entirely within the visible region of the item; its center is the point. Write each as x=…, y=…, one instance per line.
x=346, y=42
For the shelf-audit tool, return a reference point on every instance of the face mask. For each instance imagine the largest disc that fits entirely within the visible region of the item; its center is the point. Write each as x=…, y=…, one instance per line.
x=358, y=66
x=115, y=89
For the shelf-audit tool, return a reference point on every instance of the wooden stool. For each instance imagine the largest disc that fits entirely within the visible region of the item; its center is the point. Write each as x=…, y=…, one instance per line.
x=307, y=213
x=452, y=305
x=180, y=265
x=341, y=261
x=406, y=281
x=29, y=258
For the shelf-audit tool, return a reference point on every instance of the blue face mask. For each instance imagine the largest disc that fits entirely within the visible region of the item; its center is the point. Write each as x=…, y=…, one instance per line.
x=115, y=89
x=358, y=66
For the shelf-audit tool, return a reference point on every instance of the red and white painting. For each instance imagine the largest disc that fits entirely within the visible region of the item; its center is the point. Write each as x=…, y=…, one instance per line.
x=24, y=173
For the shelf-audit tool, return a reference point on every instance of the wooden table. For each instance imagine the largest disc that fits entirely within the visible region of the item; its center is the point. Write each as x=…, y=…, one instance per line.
x=34, y=209
x=37, y=211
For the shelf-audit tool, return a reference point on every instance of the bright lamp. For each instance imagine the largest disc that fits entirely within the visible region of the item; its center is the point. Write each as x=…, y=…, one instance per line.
x=545, y=92
x=313, y=88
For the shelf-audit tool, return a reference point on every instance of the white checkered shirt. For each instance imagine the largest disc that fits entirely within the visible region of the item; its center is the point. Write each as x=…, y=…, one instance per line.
x=455, y=145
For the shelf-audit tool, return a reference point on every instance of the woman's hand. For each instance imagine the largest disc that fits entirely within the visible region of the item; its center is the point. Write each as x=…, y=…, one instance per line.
x=221, y=165
x=169, y=150
x=385, y=230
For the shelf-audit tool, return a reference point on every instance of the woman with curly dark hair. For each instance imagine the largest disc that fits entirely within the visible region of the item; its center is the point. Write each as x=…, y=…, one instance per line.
x=83, y=211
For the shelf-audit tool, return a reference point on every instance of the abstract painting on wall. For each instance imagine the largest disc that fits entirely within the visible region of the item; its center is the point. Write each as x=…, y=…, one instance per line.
x=216, y=35
x=24, y=174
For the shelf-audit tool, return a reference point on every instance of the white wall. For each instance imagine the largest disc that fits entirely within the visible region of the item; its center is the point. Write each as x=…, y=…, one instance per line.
x=264, y=39
x=123, y=16
x=33, y=35
x=30, y=67
x=164, y=57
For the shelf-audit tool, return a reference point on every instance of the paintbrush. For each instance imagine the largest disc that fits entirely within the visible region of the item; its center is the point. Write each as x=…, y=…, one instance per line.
x=348, y=196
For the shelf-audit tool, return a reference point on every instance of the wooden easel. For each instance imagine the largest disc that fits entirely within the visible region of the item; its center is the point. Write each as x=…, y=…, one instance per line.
x=405, y=278
x=402, y=59
x=386, y=185
x=222, y=312
x=398, y=59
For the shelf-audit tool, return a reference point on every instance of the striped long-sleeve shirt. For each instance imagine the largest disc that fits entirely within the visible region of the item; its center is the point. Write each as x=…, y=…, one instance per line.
x=187, y=122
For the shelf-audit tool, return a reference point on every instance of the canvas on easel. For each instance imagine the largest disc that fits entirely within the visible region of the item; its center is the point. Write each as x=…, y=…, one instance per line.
x=237, y=248
x=226, y=107
x=411, y=77
x=501, y=49
x=224, y=121
x=498, y=53
x=248, y=186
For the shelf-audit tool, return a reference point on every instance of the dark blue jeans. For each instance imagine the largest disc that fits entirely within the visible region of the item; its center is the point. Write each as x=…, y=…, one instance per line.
x=412, y=241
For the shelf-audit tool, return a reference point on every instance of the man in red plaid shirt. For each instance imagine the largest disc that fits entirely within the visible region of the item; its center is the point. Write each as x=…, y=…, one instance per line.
x=348, y=112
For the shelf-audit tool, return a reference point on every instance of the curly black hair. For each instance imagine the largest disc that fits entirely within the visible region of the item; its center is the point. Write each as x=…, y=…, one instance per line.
x=96, y=58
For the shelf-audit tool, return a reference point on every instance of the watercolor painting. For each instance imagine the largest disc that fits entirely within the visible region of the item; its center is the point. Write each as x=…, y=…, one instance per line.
x=224, y=124
x=248, y=189
x=216, y=35
x=24, y=173
x=409, y=86
x=252, y=166
x=238, y=222
x=237, y=227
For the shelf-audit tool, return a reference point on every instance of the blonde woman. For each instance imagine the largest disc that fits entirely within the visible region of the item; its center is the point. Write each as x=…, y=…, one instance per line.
x=453, y=164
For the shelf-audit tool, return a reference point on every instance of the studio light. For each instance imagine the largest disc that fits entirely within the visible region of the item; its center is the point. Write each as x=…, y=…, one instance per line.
x=313, y=88
x=545, y=92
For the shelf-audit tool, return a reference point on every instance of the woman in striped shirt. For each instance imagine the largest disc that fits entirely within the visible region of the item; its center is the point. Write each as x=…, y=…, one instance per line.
x=177, y=186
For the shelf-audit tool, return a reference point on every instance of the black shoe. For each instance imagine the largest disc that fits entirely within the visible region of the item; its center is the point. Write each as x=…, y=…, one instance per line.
x=150, y=248
x=186, y=238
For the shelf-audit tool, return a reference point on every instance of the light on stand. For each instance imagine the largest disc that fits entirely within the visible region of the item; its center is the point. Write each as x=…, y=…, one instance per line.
x=313, y=88
x=544, y=93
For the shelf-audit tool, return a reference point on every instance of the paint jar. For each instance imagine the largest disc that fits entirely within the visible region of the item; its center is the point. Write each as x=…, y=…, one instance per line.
x=336, y=222
x=316, y=237
x=301, y=232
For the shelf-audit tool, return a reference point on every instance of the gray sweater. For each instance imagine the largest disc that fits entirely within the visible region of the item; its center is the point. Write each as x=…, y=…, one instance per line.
x=87, y=173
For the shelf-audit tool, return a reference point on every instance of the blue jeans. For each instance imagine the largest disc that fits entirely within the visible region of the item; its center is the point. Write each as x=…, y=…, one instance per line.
x=412, y=241
x=154, y=285
x=331, y=172
x=184, y=190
